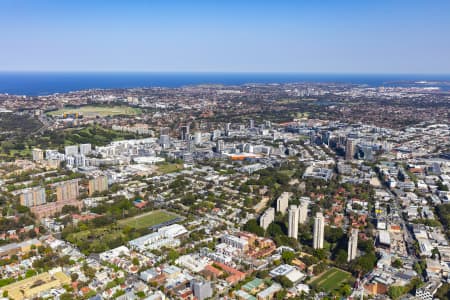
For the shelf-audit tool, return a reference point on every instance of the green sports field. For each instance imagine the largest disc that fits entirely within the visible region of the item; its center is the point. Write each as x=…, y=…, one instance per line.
x=166, y=168
x=148, y=219
x=102, y=111
x=331, y=279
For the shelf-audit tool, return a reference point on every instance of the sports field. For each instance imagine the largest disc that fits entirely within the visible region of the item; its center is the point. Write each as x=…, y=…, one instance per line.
x=331, y=279
x=166, y=168
x=148, y=219
x=93, y=111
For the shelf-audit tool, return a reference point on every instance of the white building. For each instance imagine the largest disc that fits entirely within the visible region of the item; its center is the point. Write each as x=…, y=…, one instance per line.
x=71, y=150
x=303, y=213
x=293, y=221
x=85, y=149
x=283, y=202
x=267, y=217
x=319, y=227
x=165, y=237
x=235, y=242
x=352, y=245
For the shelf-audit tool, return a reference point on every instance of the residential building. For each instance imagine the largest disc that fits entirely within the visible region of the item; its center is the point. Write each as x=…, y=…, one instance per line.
x=67, y=190
x=303, y=213
x=352, y=245
x=98, y=184
x=32, y=197
x=319, y=227
x=85, y=149
x=201, y=289
x=293, y=221
x=283, y=202
x=38, y=154
x=267, y=217
x=71, y=150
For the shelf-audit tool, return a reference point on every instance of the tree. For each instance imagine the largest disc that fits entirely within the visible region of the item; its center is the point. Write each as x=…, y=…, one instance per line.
x=435, y=253
x=397, y=263
x=319, y=268
x=341, y=257
x=333, y=234
x=284, y=281
x=253, y=227
x=396, y=292
x=287, y=256
x=274, y=230
x=88, y=271
x=281, y=295
x=135, y=261
x=443, y=293
x=321, y=254
x=345, y=290
x=30, y=273
x=173, y=255
x=363, y=264
x=68, y=209
x=66, y=296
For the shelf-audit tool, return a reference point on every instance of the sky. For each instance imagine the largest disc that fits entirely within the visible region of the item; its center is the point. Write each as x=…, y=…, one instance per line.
x=305, y=36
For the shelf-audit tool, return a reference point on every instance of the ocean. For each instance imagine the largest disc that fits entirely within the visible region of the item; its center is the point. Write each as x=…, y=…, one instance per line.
x=46, y=83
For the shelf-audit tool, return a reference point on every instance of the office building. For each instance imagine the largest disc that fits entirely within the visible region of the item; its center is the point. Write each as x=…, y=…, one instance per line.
x=283, y=202
x=293, y=221
x=267, y=218
x=319, y=227
x=164, y=141
x=164, y=131
x=350, y=149
x=220, y=145
x=184, y=132
x=227, y=129
x=252, y=124
x=98, y=184
x=32, y=197
x=216, y=134
x=67, y=190
x=38, y=154
x=303, y=213
x=198, y=138
x=352, y=245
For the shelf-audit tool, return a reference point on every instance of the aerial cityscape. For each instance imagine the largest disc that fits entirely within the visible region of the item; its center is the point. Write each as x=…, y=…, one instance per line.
x=213, y=182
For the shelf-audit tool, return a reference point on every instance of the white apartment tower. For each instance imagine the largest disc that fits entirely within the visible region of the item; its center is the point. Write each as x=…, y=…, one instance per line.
x=283, y=202
x=319, y=226
x=352, y=245
x=303, y=213
x=293, y=221
x=267, y=217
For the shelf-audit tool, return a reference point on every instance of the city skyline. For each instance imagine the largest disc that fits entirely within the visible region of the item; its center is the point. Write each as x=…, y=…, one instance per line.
x=172, y=36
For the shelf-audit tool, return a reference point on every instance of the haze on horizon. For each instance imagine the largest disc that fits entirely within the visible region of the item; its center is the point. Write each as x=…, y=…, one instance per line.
x=385, y=36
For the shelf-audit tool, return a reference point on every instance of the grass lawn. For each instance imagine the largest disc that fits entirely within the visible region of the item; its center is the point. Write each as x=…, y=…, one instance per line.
x=97, y=234
x=331, y=279
x=102, y=111
x=167, y=168
x=148, y=219
x=287, y=172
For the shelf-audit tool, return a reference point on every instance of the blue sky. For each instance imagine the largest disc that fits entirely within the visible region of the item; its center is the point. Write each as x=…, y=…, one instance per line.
x=324, y=36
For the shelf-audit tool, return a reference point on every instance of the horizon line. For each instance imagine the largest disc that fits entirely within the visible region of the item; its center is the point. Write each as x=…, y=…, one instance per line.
x=222, y=72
